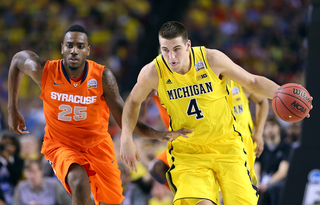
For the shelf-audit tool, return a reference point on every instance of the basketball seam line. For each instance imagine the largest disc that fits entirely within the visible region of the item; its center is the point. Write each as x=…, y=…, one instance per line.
x=288, y=108
x=295, y=98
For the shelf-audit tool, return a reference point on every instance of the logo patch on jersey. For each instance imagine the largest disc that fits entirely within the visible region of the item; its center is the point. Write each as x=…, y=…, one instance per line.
x=199, y=66
x=92, y=83
x=75, y=85
x=235, y=91
x=57, y=83
x=169, y=81
x=199, y=77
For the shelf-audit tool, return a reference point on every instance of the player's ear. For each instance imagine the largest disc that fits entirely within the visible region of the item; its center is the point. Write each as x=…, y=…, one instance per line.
x=88, y=52
x=188, y=44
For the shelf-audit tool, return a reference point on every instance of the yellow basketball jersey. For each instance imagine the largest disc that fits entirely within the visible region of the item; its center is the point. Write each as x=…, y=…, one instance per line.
x=241, y=106
x=196, y=100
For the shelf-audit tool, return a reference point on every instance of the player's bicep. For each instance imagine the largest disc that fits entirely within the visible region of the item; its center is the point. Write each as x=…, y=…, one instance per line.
x=140, y=92
x=147, y=81
x=221, y=64
x=30, y=64
x=111, y=89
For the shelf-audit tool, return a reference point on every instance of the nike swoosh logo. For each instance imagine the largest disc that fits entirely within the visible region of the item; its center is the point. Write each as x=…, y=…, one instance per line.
x=57, y=83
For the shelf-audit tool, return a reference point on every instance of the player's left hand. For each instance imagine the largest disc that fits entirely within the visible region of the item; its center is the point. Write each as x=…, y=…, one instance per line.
x=260, y=144
x=171, y=135
x=129, y=153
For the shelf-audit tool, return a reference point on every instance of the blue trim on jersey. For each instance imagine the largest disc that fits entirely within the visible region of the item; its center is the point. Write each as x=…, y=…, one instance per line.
x=85, y=75
x=170, y=182
x=159, y=68
x=194, y=58
x=67, y=77
x=64, y=72
x=166, y=64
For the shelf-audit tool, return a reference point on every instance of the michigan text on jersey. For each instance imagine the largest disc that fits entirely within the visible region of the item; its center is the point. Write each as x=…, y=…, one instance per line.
x=190, y=90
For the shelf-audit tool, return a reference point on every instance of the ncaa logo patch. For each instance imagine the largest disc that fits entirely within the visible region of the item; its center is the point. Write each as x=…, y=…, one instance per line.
x=199, y=66
x=235, y=91
x=92, y=83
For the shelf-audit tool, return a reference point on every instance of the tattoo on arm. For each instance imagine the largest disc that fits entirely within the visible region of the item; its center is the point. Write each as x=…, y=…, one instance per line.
x=110, y=85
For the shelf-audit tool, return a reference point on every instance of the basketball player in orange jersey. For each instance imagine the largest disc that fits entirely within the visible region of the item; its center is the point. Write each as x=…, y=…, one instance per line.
x=77, y=94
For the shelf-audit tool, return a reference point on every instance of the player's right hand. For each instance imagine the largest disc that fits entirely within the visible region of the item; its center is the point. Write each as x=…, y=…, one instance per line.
x=129, y=153
x=17, y=123
x=171, y=135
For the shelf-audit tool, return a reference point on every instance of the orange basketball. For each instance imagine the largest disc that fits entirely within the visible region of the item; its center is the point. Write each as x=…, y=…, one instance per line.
x=291, y=102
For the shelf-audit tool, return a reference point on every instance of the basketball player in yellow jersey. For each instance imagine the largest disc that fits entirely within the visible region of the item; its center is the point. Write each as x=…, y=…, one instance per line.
x=240, y=103
x=191, y=82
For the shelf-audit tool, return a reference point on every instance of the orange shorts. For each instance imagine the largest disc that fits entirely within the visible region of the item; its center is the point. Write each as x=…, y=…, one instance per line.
x=100, y=163
x=163, y=157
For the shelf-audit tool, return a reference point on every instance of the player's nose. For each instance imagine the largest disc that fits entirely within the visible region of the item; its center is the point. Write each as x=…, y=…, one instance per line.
x=74, y=50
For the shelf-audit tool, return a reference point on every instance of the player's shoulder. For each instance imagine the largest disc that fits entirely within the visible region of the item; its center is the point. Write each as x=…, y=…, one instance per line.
x=213, y=53
x=149, y=73
x=215, y=57
x=149, y=70
x=95, y=64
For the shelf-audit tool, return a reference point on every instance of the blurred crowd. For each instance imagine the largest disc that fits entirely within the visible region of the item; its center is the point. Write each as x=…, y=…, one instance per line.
x=265, y=37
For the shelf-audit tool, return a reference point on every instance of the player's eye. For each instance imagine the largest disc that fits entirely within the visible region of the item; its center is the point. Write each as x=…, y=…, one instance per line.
x=81, y=46
x=69, y=45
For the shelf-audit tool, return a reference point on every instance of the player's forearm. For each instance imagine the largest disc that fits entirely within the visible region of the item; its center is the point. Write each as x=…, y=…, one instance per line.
x=14, y=82
x=263, y=86
x=129, y=118
x=262, y=110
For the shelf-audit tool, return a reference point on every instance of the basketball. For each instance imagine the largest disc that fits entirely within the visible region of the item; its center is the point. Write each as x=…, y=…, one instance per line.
x=291, y=102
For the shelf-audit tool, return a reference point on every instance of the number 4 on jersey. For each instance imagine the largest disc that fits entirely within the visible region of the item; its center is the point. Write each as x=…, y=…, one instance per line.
x=193, y=109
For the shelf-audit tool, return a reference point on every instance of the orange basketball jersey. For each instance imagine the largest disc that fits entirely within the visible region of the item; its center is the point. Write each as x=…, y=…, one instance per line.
x=162, y=111
x=76, y=112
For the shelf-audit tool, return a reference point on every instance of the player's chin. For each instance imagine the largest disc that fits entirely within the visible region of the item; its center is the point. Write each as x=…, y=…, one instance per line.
x=73, y=67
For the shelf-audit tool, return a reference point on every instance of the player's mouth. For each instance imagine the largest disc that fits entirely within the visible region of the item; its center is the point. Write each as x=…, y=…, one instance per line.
x=173, y=64
x=73, y=60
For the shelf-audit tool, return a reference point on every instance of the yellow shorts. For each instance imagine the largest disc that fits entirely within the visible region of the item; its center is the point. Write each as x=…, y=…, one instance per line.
x=196, y=171
x=249, y=148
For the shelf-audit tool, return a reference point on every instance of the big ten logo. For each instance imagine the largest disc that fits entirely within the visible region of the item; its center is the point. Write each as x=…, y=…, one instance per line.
x=312, y=191
x=199, y=77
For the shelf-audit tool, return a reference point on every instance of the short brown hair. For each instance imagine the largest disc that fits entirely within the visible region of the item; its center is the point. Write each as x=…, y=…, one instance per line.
x=273, y=121
x=173, y=29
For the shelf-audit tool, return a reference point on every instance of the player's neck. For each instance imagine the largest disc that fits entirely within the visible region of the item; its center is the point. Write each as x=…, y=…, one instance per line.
x=186, y=66
x=74, y=73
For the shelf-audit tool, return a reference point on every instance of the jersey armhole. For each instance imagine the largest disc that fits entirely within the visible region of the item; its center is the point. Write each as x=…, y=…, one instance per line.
x=44, y=76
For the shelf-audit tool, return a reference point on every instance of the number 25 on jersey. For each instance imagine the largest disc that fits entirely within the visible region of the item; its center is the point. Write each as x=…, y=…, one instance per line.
x=78, y=113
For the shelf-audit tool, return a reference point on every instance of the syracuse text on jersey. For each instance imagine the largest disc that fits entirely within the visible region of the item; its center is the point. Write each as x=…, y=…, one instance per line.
x=73, y=98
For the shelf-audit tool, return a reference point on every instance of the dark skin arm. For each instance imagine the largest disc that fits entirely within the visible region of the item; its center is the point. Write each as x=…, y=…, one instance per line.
x=116, y=103
x=22, y=63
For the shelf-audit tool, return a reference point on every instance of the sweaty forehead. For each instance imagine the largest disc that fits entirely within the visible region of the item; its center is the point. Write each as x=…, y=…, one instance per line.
x=75, y=37
x=170, y=43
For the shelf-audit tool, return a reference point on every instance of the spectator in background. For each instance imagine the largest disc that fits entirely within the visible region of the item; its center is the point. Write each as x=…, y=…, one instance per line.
x=272, y=166
x=10, y=164
x=30, y=147
x=2, y=198
x=293, y=134
x=134, y=195
x=37, y=189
